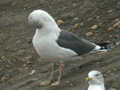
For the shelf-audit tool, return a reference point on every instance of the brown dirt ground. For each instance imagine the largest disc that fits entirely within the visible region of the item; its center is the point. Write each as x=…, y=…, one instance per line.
x=18, y=59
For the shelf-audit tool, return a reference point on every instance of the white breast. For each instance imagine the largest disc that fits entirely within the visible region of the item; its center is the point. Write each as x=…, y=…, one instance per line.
x=46, y=46
x=96, y=87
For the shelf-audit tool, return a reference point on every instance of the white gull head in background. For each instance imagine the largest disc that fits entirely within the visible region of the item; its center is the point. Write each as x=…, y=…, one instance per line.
x=95, y=80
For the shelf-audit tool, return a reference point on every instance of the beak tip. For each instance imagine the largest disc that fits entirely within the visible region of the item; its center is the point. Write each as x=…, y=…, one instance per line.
x=88, y=78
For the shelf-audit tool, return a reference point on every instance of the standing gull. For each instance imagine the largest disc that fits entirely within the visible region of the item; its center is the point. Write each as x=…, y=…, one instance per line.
x=95, y=80
x=50, y=41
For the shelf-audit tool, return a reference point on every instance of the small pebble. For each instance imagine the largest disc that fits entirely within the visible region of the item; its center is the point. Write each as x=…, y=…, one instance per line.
x=112, y=89
x=94, y=27
x=76, y=18
x=76, y=25
x=110, y=28
x=81, y=24
x=89, y=33
x=117, y=43
x=28, y=57
x=89, y=19
x=74, y=4
x=59, y=22
x=32, y=72
x=71, y=84
x=67, y=81
x=18, y=42
x=109, y=11
x=4, y=78
x=116, y=24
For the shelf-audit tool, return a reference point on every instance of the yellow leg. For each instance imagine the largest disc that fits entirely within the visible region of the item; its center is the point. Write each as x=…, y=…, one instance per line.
x=56, y=83
x=47, y=82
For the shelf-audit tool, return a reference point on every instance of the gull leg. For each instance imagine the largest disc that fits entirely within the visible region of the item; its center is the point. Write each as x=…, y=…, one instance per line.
x=47, y=82
x=56, y=83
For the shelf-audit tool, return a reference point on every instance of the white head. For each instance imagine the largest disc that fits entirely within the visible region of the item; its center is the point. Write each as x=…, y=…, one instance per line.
x=95, y=78
x=40, y=19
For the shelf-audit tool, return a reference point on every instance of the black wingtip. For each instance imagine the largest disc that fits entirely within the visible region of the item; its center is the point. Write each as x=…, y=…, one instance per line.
x=103, y=45
x=106, y=45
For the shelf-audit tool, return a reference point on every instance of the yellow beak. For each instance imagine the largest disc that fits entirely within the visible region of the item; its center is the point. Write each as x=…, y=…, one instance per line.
x=88, y=78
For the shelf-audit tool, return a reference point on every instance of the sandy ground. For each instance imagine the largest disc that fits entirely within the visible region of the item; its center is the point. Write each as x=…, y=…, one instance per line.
x=95, y=20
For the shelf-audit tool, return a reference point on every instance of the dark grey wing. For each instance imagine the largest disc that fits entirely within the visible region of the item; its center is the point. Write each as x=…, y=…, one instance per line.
x=75, y=43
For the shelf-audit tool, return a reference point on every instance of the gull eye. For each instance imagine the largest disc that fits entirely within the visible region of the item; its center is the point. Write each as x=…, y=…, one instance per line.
x=38, y=25
x=97, y=75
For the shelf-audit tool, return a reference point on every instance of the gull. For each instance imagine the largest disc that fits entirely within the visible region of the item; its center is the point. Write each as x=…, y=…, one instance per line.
x=50, y=41
x=95, y=80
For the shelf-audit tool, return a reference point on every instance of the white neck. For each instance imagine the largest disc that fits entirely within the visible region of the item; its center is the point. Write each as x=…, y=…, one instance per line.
x=96, y=87
x=49, y=30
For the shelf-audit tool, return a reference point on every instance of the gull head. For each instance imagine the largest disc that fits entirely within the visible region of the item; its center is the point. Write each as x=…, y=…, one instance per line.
x=40, y=18
x=95, y=77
